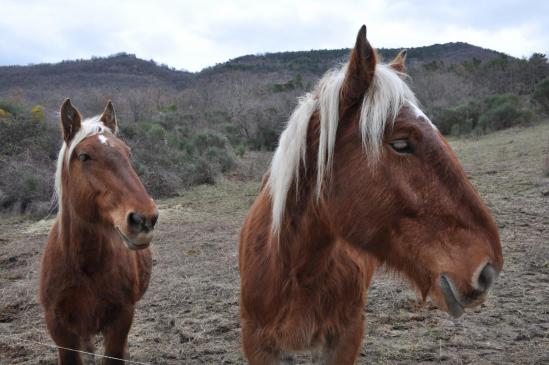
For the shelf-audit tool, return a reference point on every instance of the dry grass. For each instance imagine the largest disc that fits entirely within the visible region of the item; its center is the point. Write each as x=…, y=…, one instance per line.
x=190, y=313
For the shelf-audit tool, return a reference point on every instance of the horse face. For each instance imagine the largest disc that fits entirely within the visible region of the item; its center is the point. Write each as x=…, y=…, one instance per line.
x=413, y=207
x=104, y=187
x=416, y=210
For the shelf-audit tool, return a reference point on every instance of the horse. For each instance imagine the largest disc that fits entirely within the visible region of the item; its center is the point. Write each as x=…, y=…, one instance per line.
x=361, y=179
x=97, y=261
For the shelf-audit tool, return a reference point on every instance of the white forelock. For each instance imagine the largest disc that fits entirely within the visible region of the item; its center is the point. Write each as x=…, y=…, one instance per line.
x=380, y=106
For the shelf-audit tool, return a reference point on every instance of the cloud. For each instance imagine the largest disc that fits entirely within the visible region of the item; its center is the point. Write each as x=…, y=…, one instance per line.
x=192, y=35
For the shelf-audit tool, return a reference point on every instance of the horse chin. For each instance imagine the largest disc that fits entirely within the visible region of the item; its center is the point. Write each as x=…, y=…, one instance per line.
x=451, y=296
x=139, y=242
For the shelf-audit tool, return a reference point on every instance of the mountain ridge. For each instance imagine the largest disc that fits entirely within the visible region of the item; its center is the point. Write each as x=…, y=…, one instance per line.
x=314, y=61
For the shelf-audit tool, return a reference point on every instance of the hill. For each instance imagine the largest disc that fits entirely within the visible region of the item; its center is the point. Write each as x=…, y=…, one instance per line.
x=188, y=128
x=48, y=84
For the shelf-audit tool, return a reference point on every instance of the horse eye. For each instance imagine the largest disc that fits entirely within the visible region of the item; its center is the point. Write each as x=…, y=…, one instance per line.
x=401, y=146
x=84, y=157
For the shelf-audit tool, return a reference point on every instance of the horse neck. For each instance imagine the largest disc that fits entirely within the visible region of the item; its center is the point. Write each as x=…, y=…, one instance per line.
x=83, y=243
x=305, y=241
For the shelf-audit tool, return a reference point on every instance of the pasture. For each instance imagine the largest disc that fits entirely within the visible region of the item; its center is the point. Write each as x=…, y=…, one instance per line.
x=190, y=313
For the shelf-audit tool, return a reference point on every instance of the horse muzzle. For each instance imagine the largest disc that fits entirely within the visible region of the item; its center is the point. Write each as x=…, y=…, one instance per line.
x=456, y=302
x=139, y=241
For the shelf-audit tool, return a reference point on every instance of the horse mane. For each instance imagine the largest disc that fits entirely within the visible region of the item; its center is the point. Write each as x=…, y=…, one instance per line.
x=88, y=127
x=384, y=97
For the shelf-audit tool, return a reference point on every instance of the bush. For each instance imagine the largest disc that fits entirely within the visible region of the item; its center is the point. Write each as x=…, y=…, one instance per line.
x=23, y=183
x=203, y=140
x=540, y=97
x=167, y=156
x=489, y=114
x=503, y=115
x=240, y=150
x=12, y=107
x=37, y=114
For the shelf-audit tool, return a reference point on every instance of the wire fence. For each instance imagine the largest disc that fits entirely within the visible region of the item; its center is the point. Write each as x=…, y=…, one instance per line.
x=15, y=339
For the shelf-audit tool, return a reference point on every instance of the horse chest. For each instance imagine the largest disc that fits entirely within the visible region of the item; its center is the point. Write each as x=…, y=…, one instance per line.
x=309, y=312
x=89, y=307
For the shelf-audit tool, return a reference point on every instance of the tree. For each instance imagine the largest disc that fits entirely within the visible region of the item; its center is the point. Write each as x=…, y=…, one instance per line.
x=541, y=96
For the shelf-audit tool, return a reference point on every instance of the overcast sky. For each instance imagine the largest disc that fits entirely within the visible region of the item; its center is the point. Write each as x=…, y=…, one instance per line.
x=192, y=35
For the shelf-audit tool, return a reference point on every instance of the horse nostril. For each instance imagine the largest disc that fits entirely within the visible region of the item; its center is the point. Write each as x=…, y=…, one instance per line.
x=135, y=221
x=153, y=220
x=486, y=278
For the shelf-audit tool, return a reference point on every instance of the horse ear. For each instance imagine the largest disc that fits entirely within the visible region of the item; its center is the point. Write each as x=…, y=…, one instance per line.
x=360, y=71
x=70, y=120
x=397, y=63
x=109, y=117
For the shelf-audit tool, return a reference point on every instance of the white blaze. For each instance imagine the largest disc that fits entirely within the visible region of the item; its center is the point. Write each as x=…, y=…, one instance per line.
x=103, y=139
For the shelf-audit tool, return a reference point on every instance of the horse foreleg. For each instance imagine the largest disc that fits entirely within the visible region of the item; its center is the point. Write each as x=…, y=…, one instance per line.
x=116, y=338
x=344, y=349
x=256, y=350
x=88, y=345
x=65, y=339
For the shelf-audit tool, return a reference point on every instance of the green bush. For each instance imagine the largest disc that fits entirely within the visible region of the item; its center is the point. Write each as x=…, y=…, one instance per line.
x=157, y=133
x=166, y=154
x=240, y=150
x=12, y=107
x=540, y=97
x=503, y=115
x=478, y=117
x=203, y=140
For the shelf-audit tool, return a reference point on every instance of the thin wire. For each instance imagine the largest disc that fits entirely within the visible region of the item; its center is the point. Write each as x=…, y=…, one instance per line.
x=69, y=349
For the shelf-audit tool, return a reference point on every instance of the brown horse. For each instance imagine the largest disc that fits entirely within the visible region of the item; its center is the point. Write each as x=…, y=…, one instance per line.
x=97, y=263
x=361, y=177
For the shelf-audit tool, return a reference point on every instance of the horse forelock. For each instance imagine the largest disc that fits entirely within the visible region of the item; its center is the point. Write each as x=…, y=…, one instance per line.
x=381, y=103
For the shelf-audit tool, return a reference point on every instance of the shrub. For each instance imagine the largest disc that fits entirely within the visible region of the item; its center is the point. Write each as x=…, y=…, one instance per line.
x=203, y=140
x=540, y=97
x=37, y=114
x=23, y=183
x=503, y=111
x=477, y=117
x=221, y=157
x=240, y=150
x=12, y=107
x=157, y=133
x=233, y=134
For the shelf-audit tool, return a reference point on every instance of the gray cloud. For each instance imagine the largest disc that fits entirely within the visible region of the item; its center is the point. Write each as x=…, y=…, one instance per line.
x=193, y=35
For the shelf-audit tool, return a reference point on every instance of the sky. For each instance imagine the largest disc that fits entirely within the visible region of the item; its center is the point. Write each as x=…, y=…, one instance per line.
x=191, y=35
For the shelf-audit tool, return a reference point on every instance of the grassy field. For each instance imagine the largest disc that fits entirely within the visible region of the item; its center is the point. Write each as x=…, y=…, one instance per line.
x=190, y=313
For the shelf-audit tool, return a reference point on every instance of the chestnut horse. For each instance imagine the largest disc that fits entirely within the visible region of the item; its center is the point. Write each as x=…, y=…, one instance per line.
x=361, y=177
x=97, y=263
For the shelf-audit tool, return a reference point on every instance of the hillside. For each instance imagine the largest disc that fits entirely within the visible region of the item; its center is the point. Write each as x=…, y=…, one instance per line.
x=189, y=128
x=49, y=83
x=115, y=68
x=318, y=61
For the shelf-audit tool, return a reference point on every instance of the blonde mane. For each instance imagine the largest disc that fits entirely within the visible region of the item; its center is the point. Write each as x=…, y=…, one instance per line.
x=88, y=128
x=380, y=106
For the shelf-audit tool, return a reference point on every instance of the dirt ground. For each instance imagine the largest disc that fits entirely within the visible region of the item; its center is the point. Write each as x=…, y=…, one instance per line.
x=190, y=312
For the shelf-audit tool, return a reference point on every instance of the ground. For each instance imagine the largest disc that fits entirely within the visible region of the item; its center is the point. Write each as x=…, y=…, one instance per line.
x=190, y=313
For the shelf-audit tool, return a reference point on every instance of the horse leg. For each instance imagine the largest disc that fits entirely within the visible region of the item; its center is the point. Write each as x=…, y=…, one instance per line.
x=344, y=349
x=65, y=339
x=88, y=345
x=256, y=350
x=116, y=338
x=286, y=359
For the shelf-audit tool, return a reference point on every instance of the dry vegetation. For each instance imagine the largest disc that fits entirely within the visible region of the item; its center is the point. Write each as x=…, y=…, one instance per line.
x=190, y=313
x=188, y=128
